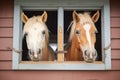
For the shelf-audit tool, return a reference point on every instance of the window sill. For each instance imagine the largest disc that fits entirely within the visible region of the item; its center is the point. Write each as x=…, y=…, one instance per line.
x=67, y=65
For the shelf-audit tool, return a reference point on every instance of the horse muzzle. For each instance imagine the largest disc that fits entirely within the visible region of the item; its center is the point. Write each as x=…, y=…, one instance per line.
x=35, y=56
x=90, y=56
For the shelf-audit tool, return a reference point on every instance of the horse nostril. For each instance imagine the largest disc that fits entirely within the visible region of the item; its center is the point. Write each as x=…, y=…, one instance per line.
x=85, y=52
x=95, y=53
x=30, y=51
x=39, y=51
x=43, y=32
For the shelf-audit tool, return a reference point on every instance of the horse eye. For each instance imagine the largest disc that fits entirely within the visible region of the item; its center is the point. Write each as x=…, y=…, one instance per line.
x=77, y=32
x=43, y=32
x=26, y=34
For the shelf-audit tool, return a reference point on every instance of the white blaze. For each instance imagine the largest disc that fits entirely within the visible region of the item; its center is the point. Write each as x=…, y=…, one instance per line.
x=35, y=38
x=87, y=28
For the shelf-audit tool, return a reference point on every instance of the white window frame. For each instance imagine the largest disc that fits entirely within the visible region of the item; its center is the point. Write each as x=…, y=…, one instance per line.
x=105, y=64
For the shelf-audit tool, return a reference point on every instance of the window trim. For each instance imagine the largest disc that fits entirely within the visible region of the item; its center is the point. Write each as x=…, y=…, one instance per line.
x=17, y=64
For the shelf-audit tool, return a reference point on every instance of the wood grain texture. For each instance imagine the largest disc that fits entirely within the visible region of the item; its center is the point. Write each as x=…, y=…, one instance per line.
x=5, y=65
x=5, y=55
x=6, y=8
x=6, y=43
x=59, y=75
x=115, y=54
x=6, y=32
x=8, y=22
x=115, y=64
x=114, y=8
x=115, y=22
x=115, y=43
x=60, y=44
x=115, y=33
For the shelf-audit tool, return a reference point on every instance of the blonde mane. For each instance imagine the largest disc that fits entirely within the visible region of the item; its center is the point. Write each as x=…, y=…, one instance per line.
x=84, y=19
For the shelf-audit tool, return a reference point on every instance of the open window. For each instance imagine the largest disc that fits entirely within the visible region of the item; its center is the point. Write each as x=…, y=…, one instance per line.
x=60, y=17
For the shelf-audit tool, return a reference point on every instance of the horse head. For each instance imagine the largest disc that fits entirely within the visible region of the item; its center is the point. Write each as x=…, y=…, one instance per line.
x=84, y=31
x=36, y=34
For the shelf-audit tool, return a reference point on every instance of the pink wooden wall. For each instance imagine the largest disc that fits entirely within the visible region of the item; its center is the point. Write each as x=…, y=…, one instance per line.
x=6, y=36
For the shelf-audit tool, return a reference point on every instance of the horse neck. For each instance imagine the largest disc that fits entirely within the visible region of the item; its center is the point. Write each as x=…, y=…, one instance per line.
x=48, y=53
x=45, y=51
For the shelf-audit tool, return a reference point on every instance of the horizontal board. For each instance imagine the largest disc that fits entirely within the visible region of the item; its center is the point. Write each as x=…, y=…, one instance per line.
x=115, y=33
x=8, y=22
x=114, y=8
x=96, y=75
x=115, y=22
x=115, y=43
x=6, y=32
x=60, y=75
x=5, y=55
x=115, y=54
x=6, y=43
x=115, y=64
x=5, y=65
x=6, y=8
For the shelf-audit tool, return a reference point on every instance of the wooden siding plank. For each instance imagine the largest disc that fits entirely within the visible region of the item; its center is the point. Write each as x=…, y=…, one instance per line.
x=6, y=32
x=114, y=8
x=6, y=43
x=115, y=33
x=116, y=54
x=96, y=75
x=5, y=65
x=115, y=44
x=5, y=55
x=8, y=22
x=6, y=8
x=115, y=64
x=60, y=75
x=115, y=22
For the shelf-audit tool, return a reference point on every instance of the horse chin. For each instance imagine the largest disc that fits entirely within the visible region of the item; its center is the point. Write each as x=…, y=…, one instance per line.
x=89, y=60
x=35, y=59
x=32, y=58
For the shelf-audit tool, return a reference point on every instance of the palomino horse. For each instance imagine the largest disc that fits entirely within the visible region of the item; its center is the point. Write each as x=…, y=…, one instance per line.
x=82, y=38
x=37, y=37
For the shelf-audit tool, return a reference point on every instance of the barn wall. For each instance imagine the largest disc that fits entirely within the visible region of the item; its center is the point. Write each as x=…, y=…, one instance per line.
x=6, y=36
x=115, y=34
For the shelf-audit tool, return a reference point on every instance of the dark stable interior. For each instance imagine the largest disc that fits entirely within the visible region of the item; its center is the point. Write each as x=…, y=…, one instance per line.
x=52, y=26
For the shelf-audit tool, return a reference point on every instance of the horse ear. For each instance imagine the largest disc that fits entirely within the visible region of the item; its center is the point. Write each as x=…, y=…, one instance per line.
x=44, y=16
x=95, y=17
x=76, y=16
x=24, y=18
